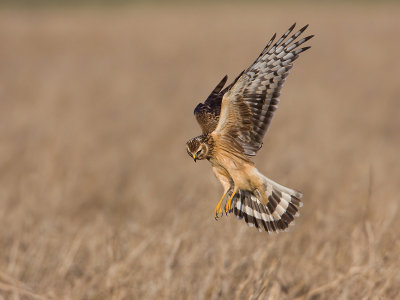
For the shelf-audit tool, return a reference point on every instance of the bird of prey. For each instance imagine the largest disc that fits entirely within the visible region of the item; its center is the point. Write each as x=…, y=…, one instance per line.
x=234, y=121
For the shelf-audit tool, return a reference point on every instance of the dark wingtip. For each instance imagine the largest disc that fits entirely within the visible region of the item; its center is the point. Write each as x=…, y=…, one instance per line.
x=308, y=38
x=305, y=49
x=198, y=107
x=304, y=28
x=219, y=86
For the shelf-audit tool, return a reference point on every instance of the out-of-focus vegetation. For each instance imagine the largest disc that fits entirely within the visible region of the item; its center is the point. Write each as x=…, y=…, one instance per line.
x=99, y=199
x=108, y=3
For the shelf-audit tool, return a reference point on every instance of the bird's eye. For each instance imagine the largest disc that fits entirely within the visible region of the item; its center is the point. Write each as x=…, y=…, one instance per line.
x=198, y=152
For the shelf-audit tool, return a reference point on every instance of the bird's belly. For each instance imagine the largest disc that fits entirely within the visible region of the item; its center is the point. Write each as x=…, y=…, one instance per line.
x=243, y=173
x=242, y=179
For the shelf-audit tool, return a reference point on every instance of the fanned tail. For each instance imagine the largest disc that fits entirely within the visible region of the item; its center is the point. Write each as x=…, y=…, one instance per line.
x=282, y=207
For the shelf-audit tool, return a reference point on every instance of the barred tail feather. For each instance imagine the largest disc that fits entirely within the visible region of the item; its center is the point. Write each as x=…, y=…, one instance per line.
x=283, y=205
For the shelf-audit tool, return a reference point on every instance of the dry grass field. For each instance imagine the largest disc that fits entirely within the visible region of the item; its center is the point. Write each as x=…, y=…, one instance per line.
x=99, y=199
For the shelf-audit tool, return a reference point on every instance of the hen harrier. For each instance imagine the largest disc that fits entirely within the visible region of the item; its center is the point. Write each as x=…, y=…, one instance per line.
x=234, y=121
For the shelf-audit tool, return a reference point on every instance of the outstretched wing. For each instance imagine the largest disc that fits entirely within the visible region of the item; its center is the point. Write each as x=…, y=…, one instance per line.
x=248, y=106
x=207, y=113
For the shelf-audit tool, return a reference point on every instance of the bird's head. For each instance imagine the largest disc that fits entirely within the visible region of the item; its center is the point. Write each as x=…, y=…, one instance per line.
x=197, y=148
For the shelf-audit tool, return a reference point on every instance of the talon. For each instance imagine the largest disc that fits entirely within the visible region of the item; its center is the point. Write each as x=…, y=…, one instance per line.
x=218, y=209
x=228, y=206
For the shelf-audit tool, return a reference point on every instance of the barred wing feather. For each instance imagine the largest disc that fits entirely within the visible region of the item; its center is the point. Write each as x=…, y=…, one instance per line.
x=258, y=88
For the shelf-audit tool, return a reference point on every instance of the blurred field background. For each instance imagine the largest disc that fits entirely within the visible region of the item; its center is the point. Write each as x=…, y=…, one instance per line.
x=99, y=200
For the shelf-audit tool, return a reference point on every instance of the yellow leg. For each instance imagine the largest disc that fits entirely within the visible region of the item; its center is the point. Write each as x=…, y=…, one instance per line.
x=228, y=206
x=218, y=209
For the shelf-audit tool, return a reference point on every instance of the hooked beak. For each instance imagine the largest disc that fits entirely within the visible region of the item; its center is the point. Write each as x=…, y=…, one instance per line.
x=194, y=157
